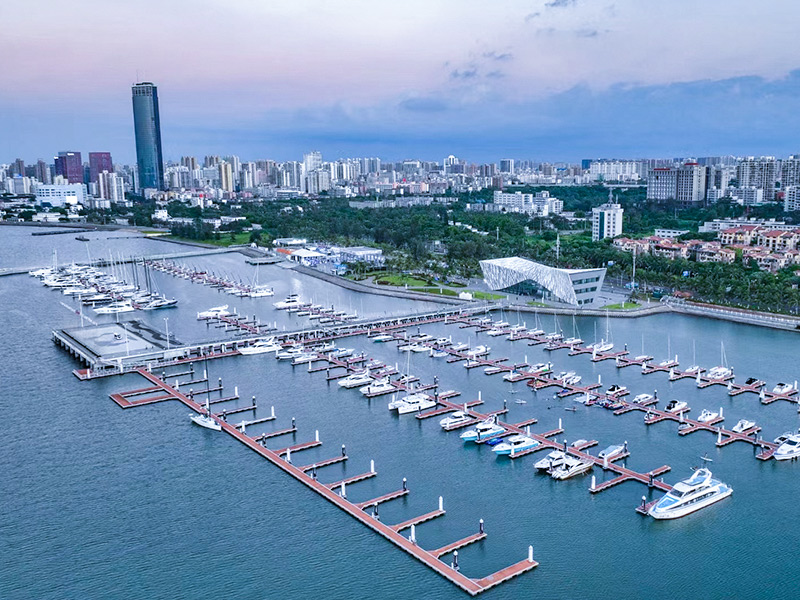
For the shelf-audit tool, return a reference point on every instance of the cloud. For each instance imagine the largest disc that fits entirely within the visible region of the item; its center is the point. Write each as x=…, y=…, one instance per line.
x=587, y=33
x=501, y=56
x=559, y=3
x=469, y=73
x=531, y=16
x=497, y=74
x=425, y=104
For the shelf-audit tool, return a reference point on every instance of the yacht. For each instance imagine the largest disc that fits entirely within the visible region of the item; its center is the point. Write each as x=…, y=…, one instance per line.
x=785, y=436
x=478, y=350
x=289, y=302
x=707, y=416
x=438, y=353
x=788, y=449
x=304, y=358
x=550, y=462
x=407, y=347
x=415, y=403
x=457, y=418
x=540, y=368
x=612, y=451
x=206, y=420
x=743, y=425
x=676, y=406
x=378, y=387
x=719, y=373
x=572, y=380
x=690, y=495
x=289, y=353
x=157, y=303
x=508, y=376
x=260, y=347
x=616, y=390
x=570, y=467
x=573, y=341
x=420, y=348
x=694, y=369
x=261, y=292
x=459, y=347
x=495, y=332
x=782, y=388
x=212, y=313
x=442, y=341
x=423, y=337
x=342, y=352
x=642, y=398
x=471, y=363
x=601, y=346
x=114, y=308
x=514, y=444
x=483, y=430
x=355, y=380
x=537, y=332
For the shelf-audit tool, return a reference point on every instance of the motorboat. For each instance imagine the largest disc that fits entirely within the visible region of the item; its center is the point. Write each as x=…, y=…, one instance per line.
x=495, y=332
x=260, y=347
x=572, y=380
x=536, y=332
x=471, y=363
x=540, y=368
x=641, y=398
x=261, y=292
x=501, y=323
x=342, y=352
x=789, y=448
x=616, y=390
x=478, y=350
x=484, y=430
x=157, y=303
x=694, y=369
x=415, y=403
x=442, y=341
x=514, y=444
x=382, y=337
x=642, y=358
x=407, y=347
x=355, y=380
x=612, y=451
x=553, y=460
x=554, y=337
x=676, y=406
x=690, y=495
x=304, y=358
x=422, y=337
x=290, y=302
x=213, y=313
x=454, y=419
x=570, y=467
x=743, y=425
x=289, y=353
x=419, y=348
x=510, y=376
x=719, y=373
x=782, y=388
x=378, y=387
x=706, y=416
x=114, y=308
x=438, y=353
x=785, y=436
x=459, y=347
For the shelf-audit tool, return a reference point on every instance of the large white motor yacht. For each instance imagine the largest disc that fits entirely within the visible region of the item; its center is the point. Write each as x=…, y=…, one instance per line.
x=788, y=449
x=690, y=495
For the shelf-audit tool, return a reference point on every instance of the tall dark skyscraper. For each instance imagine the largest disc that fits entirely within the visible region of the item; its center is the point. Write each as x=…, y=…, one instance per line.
x=99, y=162
x=147, y=126
x=69, y=165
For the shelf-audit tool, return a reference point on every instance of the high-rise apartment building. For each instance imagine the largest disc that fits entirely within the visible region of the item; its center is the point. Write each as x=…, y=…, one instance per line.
x=70, y=166
x=225, y=176
x=691, y=184
x=606, y=221
x=312, y=161
x=189, y=162
x=42, y=172
x=507, y=166
x=760, y=173
x=662, y=183
x=790, y=172
x=99, y=162
x=147, y=126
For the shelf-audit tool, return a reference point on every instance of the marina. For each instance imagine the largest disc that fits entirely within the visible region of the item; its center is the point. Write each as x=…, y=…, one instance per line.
x=196, y=371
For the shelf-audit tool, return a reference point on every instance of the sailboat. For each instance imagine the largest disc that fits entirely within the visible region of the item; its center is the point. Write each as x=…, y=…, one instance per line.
x=695, y=368
x=722, y=371
x=206, y=420
x=605, y=344
x=575, y=339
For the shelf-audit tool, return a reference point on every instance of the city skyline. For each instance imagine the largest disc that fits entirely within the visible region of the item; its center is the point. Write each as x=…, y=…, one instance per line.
x=547, y=80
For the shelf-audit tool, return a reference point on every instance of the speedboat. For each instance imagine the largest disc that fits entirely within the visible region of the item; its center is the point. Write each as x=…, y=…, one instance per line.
x=514, y=444
x=378, y=387
x=483, y=430
x=612, y=451
x=415, y=403
x=782, y=388
x=550, y=462
x=707, y=416
x=457, y=418
x=676, y=406
x=788, y=449
x=616, y=390
x=212, y=313
x=260, y=347
x=355, y=380
x=642, y=398
x=570, y=467
x=743, y=425
x=690, y=495
x=719, y=373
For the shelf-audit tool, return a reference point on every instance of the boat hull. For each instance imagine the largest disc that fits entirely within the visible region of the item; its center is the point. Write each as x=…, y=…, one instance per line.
x=687, y=509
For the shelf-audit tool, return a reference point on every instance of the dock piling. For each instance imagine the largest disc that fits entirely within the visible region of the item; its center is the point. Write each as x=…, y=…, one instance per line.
x=371, y=466
x=480, y=526
x=441, y=503
x=454, y=564
x=316, y=435
x=405, y=484
x=413, y=535
x=342, y=491
x=272, y=413
x=288, y=455
x=344, y=451
x=530, y=554
x=559, y=423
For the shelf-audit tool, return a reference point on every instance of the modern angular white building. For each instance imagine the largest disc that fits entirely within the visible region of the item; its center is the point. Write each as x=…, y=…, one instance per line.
x=573, y=287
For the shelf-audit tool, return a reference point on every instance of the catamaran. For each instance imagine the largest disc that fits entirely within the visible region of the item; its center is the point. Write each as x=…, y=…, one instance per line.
x=690, y=495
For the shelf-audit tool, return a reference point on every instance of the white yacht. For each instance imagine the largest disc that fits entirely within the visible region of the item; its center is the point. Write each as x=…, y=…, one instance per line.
x=212, y=313
x=382, y=337
x=782, y=388
x=378, y=387
x=415, y=403
x=514, y=444
x=540, y=368
x=292, y=301
x=356, y=380
x=707, y=416
x=612, y=451
x=573, y=341
x=572, y=380
x=456, y=418
x=290, y=353
x=616, y=390
x=690, y=495
x=261, y=292
x=438, y=353
x=442, y=341
x=478, y=350
x=550, y=462
x=570, y=467
x=485, y=429
x=261, y=347
x=788, y=449
x=459, y=347
x=642, y=398
x=694, y=369
x=304, y=358
x=114, y=308
x=676, y=406
x=495, y=332
x=719, y=373
x=743, y=425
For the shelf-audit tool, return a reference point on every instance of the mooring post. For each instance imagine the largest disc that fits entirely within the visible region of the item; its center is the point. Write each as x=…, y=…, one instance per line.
x=454, y=564
x=272, y=413
x=344, y=451
x=289, y=455
x=413, y=536
x=480, y=526
x=405, y=484
x=441, y=504
x=594, y=483
x=371, y=466
x=293, y=427
x=530, y=554
x=343, y=492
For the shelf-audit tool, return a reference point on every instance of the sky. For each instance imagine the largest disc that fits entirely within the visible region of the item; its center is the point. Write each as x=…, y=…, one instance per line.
x=547, y=80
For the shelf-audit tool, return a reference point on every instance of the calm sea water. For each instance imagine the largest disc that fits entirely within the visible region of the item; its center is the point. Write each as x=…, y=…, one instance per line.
x=104, y=503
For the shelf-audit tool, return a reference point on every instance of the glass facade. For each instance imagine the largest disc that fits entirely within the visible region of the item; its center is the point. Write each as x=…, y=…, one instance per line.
x=147, y=126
